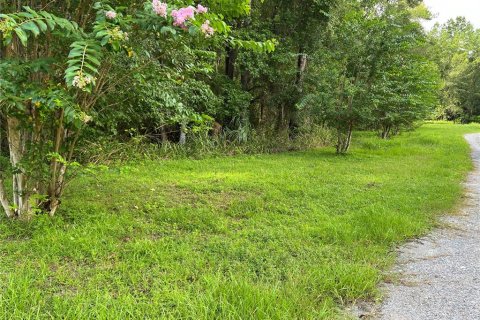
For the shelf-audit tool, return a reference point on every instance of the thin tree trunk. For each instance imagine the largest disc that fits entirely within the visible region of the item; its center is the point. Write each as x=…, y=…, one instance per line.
x=339, y=141
x=349, y=137
x=301, y=67
x=231, y=57
x=291, y=118
x=245, y=80
x=344, y=139
x=16, y=145
x=16, y=142
x=183, y=134
x=4, y=200
x=55, y=174
x=163, y=134
x=54, y=202
x=281, y=118
x=386, y=132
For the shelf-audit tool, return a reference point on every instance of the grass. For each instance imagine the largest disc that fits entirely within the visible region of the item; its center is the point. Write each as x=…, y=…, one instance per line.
x=286, y=236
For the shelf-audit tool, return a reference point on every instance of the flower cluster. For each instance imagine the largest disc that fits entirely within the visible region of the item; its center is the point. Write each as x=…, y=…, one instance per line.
x=181, y=15
x=5, y=26
x=207, y=29
x=85, y=118
x=81, y=80
x=110, y=15
x=160, y=8
x=201, y=9
x=117, y=35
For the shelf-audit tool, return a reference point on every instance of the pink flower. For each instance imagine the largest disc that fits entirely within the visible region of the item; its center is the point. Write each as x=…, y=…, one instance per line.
x=111, y=15
x=159, y=8
x=181, y=15
x=207, y=29
x=201, y=9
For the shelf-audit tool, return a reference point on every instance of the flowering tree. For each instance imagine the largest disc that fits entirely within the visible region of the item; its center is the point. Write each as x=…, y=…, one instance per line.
x=44, y=117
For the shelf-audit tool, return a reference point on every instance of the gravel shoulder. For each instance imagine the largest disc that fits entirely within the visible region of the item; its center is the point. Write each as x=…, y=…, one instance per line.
x=440, y=274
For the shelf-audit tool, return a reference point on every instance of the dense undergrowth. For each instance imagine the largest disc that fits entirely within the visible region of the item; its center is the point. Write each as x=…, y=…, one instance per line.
x=108, y=150
x=285, y=236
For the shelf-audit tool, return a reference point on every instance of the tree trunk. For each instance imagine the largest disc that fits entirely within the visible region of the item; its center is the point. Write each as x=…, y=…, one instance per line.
x=344, y=139
x=2, y=48
x=56, y=178
x=183, y=134
x=301, y=67
x=349, y=138
x=231, y=57
x=386, y=132
x=281, y=119
x=245, y=80
x=292, y=114
x=17, y=143
x=163, y=134
x=340, y=141
x=4, y=200
x=55, y=194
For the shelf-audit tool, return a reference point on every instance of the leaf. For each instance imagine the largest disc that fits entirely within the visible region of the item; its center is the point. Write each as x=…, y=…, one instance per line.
x=42, y=25
x=165, y=30
x=31, y=26
x=192, y=30
x=93, y=59
x=116, y=45
x=105, y=40
x=22, y=36
x=101, y=33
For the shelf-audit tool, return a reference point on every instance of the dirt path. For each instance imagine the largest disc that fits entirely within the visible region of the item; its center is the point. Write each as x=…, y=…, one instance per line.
x=440, y=274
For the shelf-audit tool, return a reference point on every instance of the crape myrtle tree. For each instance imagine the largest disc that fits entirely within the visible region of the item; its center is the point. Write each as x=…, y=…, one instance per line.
x=47, y=93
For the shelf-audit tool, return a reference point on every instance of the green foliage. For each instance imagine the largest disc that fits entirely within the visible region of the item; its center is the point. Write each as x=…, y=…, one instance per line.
x=267, y=46
x=257, y=236
x=31, y=23
x=231, y=8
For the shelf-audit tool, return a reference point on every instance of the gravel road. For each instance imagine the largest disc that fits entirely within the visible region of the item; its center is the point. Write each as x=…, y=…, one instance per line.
x=440, y=274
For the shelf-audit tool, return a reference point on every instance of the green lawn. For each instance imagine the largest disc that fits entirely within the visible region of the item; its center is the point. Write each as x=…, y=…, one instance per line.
x=285, y=236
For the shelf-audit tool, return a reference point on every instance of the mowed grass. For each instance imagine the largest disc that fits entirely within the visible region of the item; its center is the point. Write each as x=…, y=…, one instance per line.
x=285, y=236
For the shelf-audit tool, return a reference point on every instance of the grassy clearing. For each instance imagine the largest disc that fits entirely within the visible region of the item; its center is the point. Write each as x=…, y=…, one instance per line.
x=286, y=236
